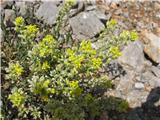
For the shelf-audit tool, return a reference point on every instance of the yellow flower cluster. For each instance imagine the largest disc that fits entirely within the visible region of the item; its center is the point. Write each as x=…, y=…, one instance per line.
x=15, y=70
x=45, y=47
x=75, y=90
x=76, y=60
x=115, y=52
x=19, y=21
x=86, y=47
x=131, y=35
x=111, y=24
x=17, y=97
x=45, y=65
x=97, y=62
x=31, y=29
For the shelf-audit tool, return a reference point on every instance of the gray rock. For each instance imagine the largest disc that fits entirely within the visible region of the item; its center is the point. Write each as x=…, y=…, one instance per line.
x=9, y=17
x=93, y=7
x=85, y=25
x=152, y=46
x=133, y=57
x=47, y=12
x=126, y=83
x=136, y=97
x=100, y=14
x=152, y=80
x=22, y=7
x=1, y=35
x=4, y=4
x=139, y=85
x=156, y=71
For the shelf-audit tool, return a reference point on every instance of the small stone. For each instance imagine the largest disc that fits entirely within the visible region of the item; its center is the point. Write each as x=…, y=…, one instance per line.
x=9, y=17
x=139, y=85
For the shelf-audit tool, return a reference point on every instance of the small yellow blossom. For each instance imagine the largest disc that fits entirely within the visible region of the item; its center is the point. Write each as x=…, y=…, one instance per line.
x=31, y=29
x=45, y=66
x=19, y=21
x=17, y=97
x=16, y=69
x=112, y=23
x=133, y=35
x=71, y=1
x=86, y=47
x=115, y=52
x=96, y=62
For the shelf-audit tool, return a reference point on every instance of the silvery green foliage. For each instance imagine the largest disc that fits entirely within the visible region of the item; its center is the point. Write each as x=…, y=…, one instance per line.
x=53, y=81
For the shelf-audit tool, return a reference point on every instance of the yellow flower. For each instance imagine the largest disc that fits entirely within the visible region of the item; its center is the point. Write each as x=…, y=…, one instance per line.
x=133, y=35
x=17, y=69
x=70, y=52
x=125, y=34
x=71, y=1
x=31, y=29
x=48, y=39
x=86, y=47
x=45, y=66
x=19, y=21
x=112, y=23
x=17, y=97
x=96, y=62
x=115, y=52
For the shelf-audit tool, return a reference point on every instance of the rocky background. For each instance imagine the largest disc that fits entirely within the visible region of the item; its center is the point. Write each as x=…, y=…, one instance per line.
x=136, y=74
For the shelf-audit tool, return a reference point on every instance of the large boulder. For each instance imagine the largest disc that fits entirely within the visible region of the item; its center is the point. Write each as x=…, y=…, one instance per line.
x=133, y=57
x=47, y=12
x=85, y=25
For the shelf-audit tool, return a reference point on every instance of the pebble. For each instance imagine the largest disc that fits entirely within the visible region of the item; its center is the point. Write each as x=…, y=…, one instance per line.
x=139, y=85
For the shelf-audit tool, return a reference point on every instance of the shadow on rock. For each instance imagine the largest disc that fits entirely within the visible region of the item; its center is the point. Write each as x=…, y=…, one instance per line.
x=150, y=110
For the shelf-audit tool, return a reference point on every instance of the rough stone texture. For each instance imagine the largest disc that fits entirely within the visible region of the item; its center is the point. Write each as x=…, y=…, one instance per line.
x=136, y=97
x=85, y=25
x=156, y=71
x=1, y=35
x=139, y=85
x=150, y=79
x=22, y=7
x=9, y=17
x=152, y=46
x=4, y=4
x=133, y=57
x=100, y=14
x=47, y=12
